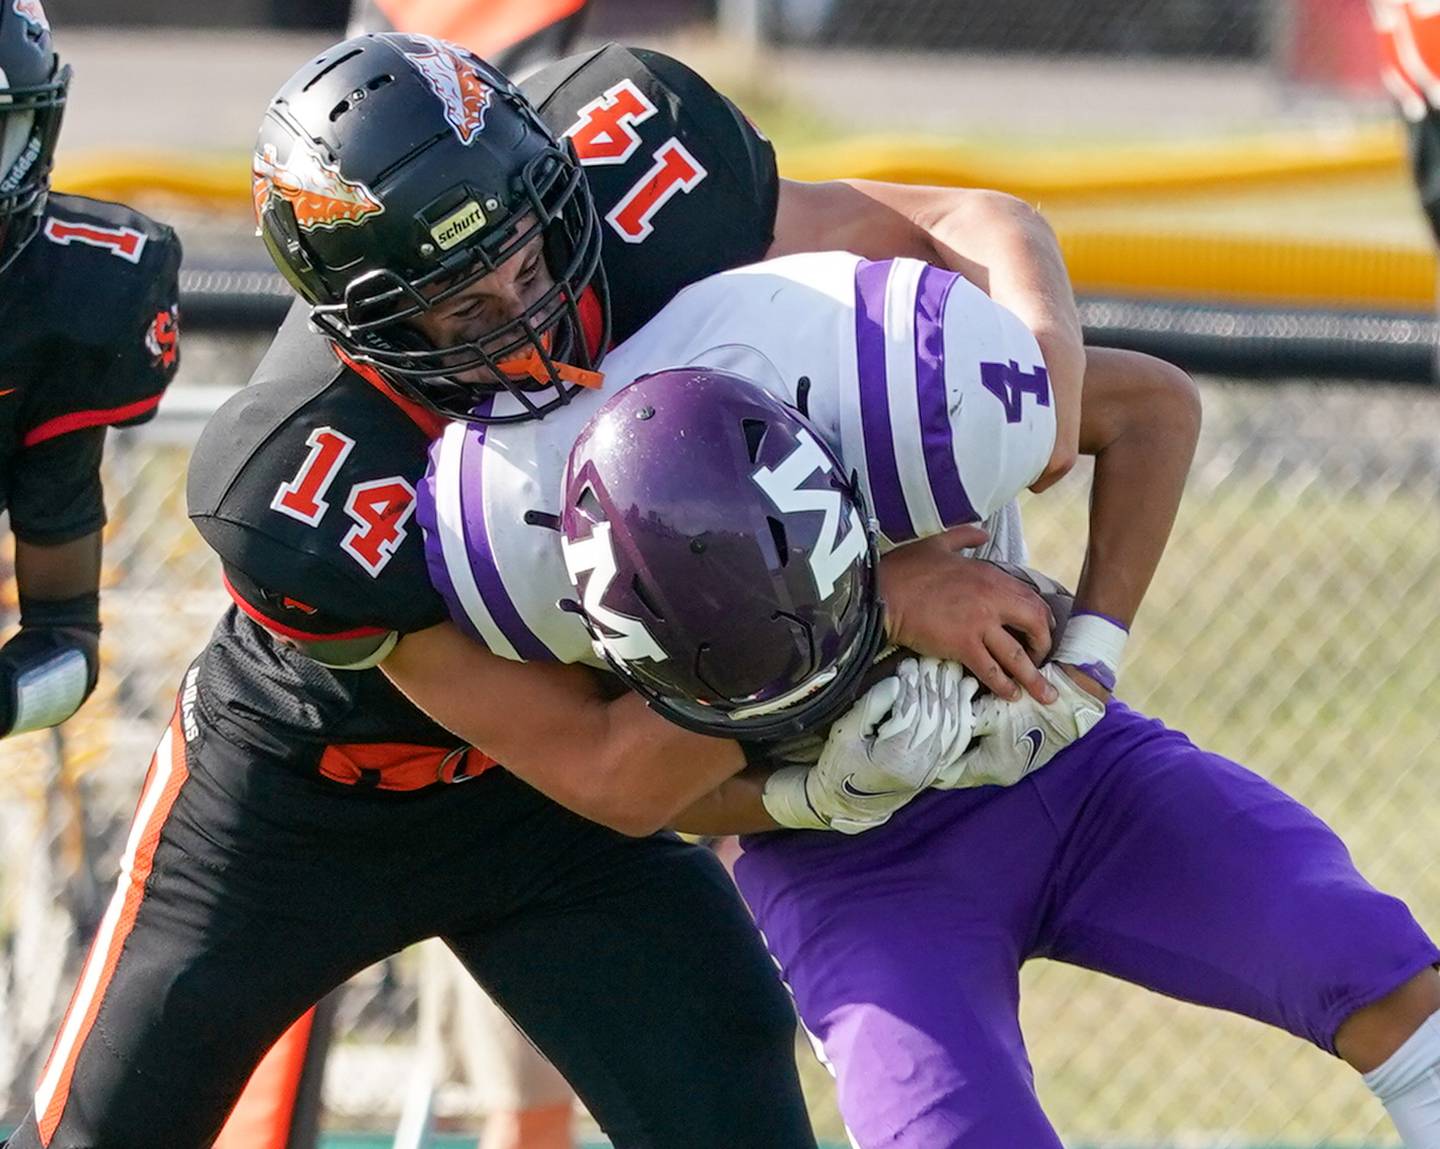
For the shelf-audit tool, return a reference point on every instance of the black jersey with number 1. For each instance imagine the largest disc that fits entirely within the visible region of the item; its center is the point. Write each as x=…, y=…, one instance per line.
x=89, y=339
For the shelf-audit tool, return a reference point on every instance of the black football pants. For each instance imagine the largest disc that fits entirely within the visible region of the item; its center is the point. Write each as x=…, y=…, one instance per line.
x=249, y=891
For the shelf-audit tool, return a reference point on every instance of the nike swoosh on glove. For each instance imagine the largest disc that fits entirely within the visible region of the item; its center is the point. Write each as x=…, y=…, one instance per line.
x=889, y=746
x=1013, y=739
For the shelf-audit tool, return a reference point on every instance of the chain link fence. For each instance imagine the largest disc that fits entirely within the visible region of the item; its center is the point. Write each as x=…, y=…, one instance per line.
x=1292, y=627
x=1047, y=80
x=1217, y=28
x=1301, y=39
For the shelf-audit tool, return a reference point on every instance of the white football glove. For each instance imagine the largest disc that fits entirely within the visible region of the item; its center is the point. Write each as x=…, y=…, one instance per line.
x=1013, y=739
x=888, y=747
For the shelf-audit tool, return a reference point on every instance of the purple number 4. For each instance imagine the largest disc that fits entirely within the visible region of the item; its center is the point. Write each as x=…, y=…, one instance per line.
x=1009, y=384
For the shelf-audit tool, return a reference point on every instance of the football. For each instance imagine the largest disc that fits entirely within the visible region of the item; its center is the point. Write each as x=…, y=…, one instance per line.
x=1057, y=597
x=806, y=748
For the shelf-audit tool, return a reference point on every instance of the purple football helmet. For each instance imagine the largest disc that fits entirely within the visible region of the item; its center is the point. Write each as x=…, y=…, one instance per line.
x=722, y=556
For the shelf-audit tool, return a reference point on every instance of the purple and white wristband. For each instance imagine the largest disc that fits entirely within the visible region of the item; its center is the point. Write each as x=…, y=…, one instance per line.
x=1093, y=642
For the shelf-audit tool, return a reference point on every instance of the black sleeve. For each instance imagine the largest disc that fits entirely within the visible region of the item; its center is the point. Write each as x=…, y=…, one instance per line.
x=117, y=375
x=343, y=558
x=55, y=493
x=686, y=185
x=319, y=628
x=1425, y=163
x=146, y=359
x=299, y=595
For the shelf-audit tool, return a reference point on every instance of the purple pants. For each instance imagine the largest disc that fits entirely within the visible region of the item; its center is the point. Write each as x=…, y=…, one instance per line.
x=1133, y=853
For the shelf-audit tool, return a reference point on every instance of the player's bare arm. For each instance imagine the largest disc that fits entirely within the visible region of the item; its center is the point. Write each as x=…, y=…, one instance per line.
x=609, y=759
x=736, y=806
x=995, y=240
x=612, y=759
x=1141, y=421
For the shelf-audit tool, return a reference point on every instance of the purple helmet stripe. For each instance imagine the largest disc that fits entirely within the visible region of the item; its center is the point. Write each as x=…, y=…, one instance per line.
x=425, y=512
x=933, y=400
x=482, y=558
x=886, y=494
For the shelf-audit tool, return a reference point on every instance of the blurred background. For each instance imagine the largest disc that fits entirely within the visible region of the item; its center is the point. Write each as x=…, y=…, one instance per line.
x=1228, y=178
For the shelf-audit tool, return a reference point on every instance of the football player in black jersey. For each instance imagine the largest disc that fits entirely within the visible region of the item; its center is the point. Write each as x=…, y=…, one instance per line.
x=296, y=824
x=527, y=1105
x=89, y=339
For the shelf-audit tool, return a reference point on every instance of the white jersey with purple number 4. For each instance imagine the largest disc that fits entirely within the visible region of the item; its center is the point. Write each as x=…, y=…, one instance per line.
x=935, y=396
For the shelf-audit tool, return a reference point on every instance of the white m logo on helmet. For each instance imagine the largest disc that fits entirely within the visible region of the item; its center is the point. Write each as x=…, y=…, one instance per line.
x=832, y=555
x=628, y=639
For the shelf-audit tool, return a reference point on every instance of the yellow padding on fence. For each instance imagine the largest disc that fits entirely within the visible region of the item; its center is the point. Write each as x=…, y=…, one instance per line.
x=1070, y=173
x=209, y=181
x=1087, y=173
x=1237, y=269
x=1192, y=265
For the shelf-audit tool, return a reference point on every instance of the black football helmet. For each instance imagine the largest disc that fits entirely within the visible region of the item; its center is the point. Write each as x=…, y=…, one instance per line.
x=33, y=87
x=393, y=171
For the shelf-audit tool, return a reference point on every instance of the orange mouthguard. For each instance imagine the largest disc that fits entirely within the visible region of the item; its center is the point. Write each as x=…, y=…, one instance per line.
x=529, y=365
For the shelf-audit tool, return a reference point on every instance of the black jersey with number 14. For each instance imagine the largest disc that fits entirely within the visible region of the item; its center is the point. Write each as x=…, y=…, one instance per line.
x=305, y=481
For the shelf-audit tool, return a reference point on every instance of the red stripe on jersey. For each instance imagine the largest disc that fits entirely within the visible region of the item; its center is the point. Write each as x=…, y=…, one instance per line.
x=430, y=422
x=284, y=631
x=78, y=420
x=592, y=323
x=168, y=772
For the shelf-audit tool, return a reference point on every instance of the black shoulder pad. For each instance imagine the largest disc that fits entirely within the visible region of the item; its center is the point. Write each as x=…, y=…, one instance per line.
x=304, y=484
x=686, y=185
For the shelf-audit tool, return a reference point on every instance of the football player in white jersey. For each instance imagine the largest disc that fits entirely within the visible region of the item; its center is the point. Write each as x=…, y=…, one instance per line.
x=938, y=441
x=1133, y=852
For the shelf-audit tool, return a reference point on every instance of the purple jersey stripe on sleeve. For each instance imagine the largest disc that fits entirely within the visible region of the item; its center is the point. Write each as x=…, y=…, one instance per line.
x=933, y=401
x=482, y=559
x=425, y=512
x=886, y=495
